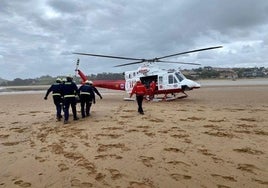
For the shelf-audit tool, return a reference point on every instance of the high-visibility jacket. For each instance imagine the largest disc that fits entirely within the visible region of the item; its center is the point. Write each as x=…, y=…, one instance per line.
x=55, y=89
x=69, y=89
x=138, y=89
x=87, y=90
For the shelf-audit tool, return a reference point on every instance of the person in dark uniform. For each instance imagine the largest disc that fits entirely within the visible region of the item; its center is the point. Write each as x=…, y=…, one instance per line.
x=69, y=91
x=95, y=89
x=87, y=96
x=55, y=88
x=140, y=90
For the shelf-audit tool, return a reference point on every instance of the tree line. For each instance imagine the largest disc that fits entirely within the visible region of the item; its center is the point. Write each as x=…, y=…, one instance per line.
x=199, y=73
x=47, y=80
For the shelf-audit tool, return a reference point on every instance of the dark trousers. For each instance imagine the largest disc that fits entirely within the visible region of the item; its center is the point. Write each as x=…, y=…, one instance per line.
x=67, y=102
x=58, y=102
x=139, y=99
x=85, y=101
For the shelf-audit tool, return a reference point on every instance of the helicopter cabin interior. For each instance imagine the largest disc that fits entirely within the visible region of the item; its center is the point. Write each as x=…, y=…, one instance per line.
x=147, y=80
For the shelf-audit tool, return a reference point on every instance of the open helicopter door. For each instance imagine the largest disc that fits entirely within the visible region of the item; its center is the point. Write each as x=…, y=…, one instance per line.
x=146, y=80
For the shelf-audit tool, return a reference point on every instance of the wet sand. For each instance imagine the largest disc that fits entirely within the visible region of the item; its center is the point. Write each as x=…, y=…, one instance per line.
x=217, y=137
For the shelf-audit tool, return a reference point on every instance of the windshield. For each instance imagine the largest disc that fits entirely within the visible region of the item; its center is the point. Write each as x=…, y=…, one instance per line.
x=179, y=76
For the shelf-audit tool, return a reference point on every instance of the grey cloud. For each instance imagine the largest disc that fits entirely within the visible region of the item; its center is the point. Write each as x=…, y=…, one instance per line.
x=38, y=37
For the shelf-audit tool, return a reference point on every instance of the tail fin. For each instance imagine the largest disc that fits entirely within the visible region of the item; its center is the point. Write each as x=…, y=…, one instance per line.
x=80, y=73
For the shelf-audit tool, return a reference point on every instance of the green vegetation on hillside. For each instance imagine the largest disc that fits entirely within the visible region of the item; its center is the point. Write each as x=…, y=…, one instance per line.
x=199, y=73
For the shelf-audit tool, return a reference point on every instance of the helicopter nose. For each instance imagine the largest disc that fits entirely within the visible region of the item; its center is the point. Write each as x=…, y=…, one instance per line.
x=196, y=85
x=190, y=84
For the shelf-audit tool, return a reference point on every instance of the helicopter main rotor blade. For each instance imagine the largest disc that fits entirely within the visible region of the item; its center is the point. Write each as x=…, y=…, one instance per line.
x=192, y=51
x=108, y=56
x=178, y=62
x=133, y=63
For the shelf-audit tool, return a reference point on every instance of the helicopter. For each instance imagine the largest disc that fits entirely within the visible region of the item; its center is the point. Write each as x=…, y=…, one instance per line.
x=161, y=84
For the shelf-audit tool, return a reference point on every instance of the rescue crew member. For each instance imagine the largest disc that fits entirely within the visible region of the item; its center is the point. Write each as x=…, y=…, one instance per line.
x=69, y=91
x=55, y=88
x=95, y=89
x=140, y=90
x=87, y=96
x=152, y=89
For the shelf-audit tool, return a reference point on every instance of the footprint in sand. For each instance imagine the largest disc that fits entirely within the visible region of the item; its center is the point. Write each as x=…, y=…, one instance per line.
x=10, y=143
x=115, y=174
x=63, y=167
x=100, y=176
x=40, y=159
x=194, y=118
x=229, y=178
x=113, y=136
x=178, y=163
x=103, y=148
x=78, y=183
x=248, y=119
x=85, y=163
x=260, y=132
x=205, y=152
x=249, y=151
x=163, y=131
x=146, y=160
x=112, y=128
x=14, y=123
x=143, y=127
x=21, y=183
x=21, y=114
x=247, y=168
x=260, y=181
x=4, y=135
x=132, y=130
x=220, y=134
x=217, y=120
x=243, y=125
x=149, y=134
x=211, y=126
x=179, y=177
x=56, y=148
x=156, y=120
x=179, y=135
x=140, y=185
x=176, y=150
x=108, y=156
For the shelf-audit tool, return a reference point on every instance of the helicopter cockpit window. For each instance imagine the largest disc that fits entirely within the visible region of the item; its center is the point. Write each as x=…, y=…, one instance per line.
x=180, y=77
x=172, y=79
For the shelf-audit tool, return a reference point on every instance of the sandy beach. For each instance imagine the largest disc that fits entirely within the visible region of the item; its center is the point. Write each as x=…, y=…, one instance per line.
x=217, y=137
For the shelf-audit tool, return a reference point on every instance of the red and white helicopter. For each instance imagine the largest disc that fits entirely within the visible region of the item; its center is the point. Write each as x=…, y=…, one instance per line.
x=164, y=84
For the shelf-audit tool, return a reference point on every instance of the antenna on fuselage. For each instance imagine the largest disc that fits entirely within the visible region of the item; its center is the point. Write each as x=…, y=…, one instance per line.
x=77, y=64
x=76, y=68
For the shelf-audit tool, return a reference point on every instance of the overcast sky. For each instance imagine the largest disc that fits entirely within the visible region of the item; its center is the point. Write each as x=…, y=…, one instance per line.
x=37, y=37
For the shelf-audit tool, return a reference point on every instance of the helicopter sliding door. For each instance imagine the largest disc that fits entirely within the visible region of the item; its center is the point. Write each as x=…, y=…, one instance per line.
x=168, y=81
